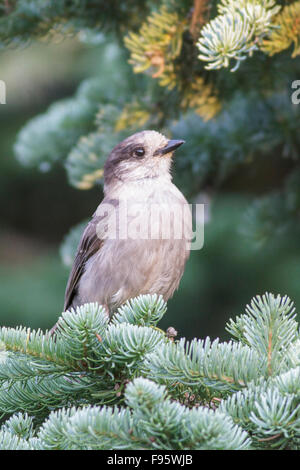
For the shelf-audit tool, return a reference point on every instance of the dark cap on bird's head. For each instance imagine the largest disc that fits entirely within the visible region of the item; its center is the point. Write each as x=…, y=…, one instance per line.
x=143, y=155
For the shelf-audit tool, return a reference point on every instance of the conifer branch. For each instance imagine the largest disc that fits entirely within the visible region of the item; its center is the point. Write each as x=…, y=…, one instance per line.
x=236, y=32
x=286, y=33
x=93, y=363
x=199, y=16
x=156, y=46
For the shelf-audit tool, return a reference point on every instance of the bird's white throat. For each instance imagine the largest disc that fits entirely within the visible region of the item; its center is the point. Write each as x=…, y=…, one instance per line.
x=141, y=188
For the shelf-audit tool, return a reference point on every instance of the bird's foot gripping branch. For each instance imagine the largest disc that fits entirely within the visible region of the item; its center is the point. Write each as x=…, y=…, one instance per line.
x=123, y=384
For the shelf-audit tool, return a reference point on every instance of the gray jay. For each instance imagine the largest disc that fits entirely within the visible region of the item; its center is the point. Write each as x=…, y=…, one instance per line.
x=138, y=240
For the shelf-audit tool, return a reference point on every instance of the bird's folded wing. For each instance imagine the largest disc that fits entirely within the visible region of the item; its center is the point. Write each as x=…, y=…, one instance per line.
x=90, y=243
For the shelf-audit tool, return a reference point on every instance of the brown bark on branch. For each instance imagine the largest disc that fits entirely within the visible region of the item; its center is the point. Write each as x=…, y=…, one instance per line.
x=199, y=17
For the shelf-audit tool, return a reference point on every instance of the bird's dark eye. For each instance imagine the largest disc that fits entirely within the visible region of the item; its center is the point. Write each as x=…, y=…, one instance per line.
x=139, y=152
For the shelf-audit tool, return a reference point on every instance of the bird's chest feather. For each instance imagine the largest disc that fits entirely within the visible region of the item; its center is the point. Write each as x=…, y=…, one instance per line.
x=150, y=228
x=157, y=205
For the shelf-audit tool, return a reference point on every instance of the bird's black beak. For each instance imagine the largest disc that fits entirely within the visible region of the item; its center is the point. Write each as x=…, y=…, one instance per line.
x=170, y=147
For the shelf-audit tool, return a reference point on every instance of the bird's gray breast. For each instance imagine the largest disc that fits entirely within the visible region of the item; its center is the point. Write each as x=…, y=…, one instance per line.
x=146, y=244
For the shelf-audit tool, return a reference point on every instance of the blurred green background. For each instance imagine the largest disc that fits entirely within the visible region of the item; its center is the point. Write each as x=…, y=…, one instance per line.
x=39, y=208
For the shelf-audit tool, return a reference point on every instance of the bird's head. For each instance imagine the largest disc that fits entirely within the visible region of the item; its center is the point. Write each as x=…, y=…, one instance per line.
x=146, y=154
